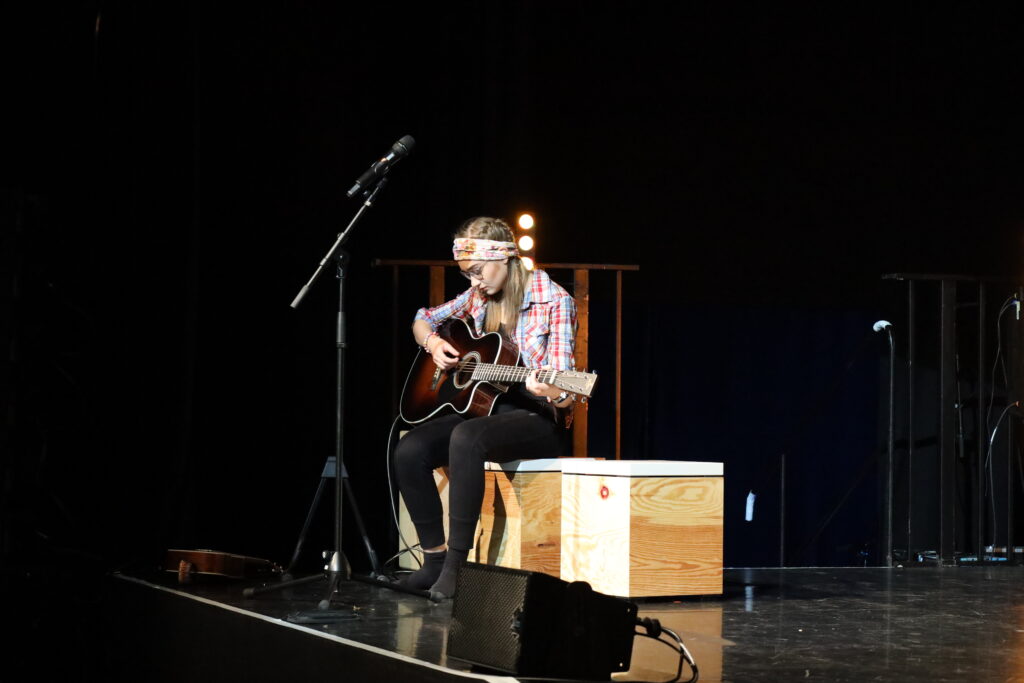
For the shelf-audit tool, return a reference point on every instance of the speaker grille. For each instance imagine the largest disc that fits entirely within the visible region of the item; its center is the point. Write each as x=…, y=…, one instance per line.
x=486, y=617
x=529, y=623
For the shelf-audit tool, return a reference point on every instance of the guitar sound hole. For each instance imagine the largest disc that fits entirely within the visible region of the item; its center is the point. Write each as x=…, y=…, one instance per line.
x=464, y=370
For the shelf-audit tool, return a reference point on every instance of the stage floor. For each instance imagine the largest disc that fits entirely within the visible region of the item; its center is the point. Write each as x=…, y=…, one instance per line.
x=922, y=623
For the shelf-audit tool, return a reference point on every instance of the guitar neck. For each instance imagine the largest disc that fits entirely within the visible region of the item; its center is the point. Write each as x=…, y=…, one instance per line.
x=510, y=373
x=579, y=383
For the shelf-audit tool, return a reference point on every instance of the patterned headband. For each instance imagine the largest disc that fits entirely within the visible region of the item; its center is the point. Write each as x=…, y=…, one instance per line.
x=475, y=249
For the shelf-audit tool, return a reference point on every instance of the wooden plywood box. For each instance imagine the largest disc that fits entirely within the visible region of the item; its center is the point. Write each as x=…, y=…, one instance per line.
x=520, y=518
x=643, y=528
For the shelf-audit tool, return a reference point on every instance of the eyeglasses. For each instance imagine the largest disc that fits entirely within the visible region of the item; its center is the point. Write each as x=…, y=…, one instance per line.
x=475, y=272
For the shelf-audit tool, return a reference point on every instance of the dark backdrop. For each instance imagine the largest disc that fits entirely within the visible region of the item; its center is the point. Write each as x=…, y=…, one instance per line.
x=174, y=172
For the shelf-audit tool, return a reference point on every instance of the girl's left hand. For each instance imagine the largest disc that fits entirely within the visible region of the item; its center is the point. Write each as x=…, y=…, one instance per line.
x=538, y=388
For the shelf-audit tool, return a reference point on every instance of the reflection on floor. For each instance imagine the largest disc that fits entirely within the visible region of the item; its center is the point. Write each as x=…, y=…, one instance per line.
x=932, y=624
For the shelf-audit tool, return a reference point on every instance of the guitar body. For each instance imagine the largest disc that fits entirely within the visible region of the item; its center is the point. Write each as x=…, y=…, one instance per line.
x=430, y=392
x=213, y=563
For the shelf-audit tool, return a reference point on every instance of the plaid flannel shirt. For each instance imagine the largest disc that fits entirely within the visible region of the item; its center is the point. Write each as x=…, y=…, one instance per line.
x=546, y=333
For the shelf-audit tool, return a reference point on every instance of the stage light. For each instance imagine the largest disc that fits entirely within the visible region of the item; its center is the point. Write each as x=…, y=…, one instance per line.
x=527, y=244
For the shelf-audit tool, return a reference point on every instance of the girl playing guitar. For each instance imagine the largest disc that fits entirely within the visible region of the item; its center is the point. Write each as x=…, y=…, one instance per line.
x=540, y=316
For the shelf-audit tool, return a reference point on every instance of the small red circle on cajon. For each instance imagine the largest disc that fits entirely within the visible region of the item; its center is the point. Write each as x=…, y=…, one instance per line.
x=604, y=492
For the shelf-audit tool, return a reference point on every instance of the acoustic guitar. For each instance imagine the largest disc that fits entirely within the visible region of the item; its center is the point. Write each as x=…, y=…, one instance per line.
x=488, y=365
x=188, y=563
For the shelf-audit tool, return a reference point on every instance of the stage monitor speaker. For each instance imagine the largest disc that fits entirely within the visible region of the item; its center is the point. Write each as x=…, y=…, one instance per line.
x=531, y=624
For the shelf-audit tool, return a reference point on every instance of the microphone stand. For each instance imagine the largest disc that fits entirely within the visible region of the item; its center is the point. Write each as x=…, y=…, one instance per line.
x=889, y=475
x=334, y=571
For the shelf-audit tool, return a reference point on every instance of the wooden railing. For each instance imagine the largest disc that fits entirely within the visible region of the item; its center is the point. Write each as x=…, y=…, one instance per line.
x=581, y=292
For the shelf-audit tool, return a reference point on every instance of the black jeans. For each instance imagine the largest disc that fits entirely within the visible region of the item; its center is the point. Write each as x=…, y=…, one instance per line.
x=514, y=431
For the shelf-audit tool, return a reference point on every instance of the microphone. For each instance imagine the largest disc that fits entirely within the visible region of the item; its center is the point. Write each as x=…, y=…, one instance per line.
x=398, y=151
x=881, y=325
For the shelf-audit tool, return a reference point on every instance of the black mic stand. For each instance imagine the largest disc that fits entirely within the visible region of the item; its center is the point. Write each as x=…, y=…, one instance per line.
x=335, y=569
x=890, y=455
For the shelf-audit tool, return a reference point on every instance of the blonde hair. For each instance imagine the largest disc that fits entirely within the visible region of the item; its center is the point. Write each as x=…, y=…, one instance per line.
x=503, y=307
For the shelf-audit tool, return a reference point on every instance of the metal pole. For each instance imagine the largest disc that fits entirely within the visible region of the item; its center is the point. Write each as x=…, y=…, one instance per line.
x=979, y=487
x=910, y=417
x=782, y=510
x=947, y=419
x=891, y=444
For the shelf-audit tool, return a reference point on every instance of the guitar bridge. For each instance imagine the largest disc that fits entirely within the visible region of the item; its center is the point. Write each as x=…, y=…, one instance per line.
x=436, y=379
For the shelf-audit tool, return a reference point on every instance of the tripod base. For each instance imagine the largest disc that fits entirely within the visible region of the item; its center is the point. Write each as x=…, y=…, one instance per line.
x=333, y=573
x=329, y=472
x=286, y=582
x=338, y=567
x=323, y=614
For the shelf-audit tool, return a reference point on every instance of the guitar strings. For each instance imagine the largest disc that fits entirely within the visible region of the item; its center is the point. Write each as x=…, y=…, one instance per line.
x=511, y=370
x=515, y=373
x=497, y=372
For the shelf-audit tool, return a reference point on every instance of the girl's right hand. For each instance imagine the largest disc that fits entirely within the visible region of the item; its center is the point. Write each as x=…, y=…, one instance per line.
x=444, y=354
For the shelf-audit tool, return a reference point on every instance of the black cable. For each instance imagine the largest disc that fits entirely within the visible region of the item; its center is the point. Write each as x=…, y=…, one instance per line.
x=654, y=629
x=686, y=655
x=990, y=484
x=391, y=494
x=399, y=554
x=1020, y=468
x=1002, y=362
x=679, y=669
x=995, y=362
x=988, y=464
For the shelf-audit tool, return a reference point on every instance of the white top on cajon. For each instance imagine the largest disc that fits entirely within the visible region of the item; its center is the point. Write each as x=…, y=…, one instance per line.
x=537, y=465
x=642, y=468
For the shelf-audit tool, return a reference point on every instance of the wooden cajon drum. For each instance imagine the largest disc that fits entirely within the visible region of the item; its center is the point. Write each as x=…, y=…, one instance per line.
x=520, y=518
x=643, y=528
